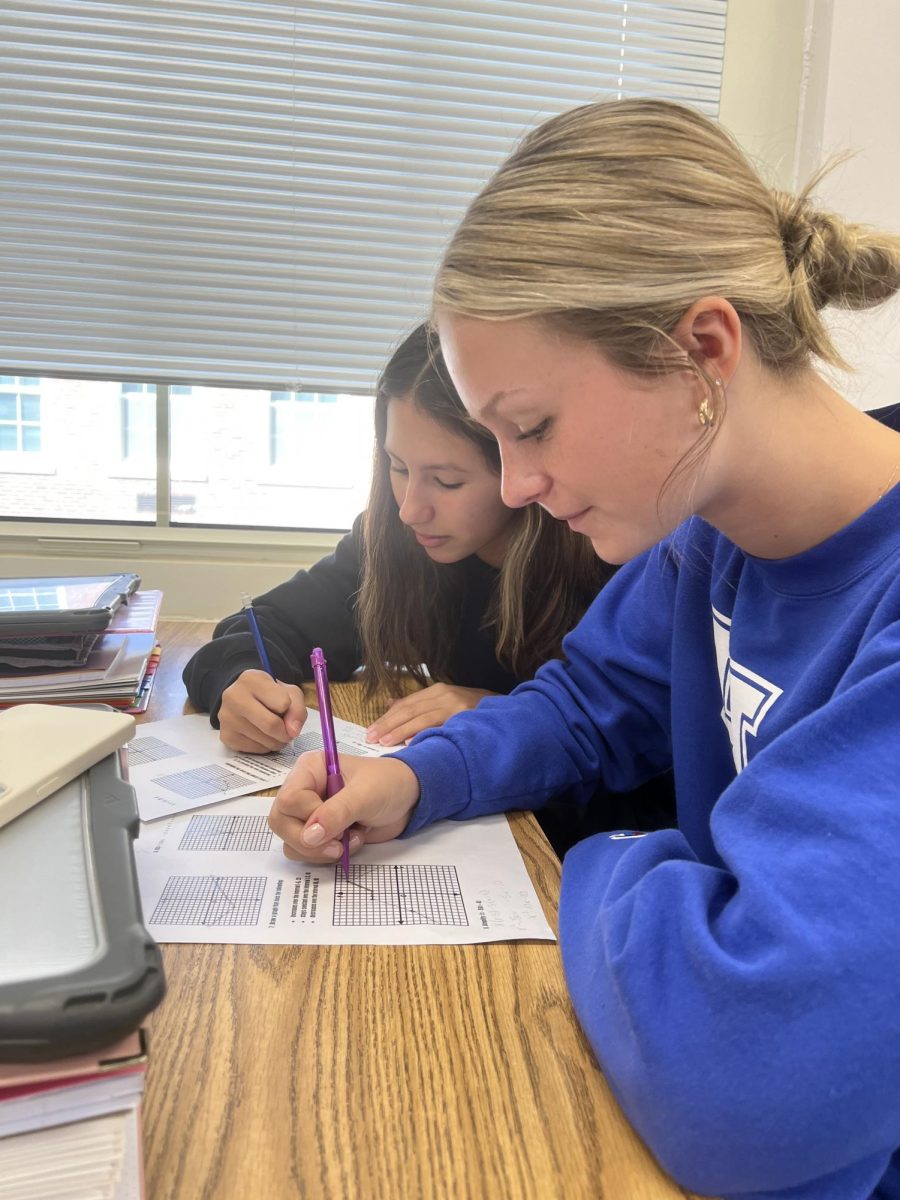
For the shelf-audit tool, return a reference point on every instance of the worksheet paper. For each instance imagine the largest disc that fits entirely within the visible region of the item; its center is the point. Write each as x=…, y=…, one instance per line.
x=181, y=764
x=221, y=876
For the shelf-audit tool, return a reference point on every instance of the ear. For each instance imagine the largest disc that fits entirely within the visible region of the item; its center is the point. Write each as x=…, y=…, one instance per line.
x=710, y=332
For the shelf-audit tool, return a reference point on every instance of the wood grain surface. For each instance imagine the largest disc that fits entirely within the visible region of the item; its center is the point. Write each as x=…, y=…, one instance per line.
x=380, y=1072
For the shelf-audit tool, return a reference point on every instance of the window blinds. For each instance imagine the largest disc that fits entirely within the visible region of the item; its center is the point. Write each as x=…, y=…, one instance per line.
x=250, y=193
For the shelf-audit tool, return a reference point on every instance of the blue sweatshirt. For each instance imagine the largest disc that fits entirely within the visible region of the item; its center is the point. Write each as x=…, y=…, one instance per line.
x=738, y=977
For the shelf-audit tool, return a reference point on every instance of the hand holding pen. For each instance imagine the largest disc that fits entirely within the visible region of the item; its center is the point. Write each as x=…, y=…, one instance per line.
x=258, y=713
x=374, y=806
x=314, y=831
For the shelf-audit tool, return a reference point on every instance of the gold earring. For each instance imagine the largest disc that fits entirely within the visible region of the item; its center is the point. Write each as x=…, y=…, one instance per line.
x=706, y=412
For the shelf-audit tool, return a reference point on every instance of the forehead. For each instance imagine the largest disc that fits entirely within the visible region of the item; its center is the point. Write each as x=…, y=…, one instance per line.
x=419, y=440
x=497, y=362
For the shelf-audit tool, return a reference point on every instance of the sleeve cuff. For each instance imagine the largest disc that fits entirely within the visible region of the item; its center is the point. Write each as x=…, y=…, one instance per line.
x=443, y=780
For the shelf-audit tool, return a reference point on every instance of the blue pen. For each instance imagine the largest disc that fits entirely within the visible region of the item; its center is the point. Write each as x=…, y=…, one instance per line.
x=247, y=604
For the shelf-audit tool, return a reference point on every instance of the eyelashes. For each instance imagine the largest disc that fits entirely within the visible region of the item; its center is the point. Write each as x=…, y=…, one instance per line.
x=536, y=434
x=447, y=487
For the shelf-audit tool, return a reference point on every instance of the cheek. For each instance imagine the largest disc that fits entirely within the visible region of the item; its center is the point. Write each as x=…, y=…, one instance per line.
x=398, y=487
x=489, y=514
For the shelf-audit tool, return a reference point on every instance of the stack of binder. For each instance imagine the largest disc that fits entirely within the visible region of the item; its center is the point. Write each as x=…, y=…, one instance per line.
x=78, y=639
x=78, y=975
x=71, y=1128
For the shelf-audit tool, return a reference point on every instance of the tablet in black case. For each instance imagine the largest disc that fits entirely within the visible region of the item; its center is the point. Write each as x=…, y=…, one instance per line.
x=78, y=970
x=62, y=604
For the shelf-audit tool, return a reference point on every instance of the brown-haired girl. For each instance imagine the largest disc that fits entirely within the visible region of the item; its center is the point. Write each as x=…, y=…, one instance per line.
x=437, y=574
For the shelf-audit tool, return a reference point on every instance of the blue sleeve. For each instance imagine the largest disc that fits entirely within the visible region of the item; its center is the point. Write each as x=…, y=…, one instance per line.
x=600, y=714
x=748, y=1015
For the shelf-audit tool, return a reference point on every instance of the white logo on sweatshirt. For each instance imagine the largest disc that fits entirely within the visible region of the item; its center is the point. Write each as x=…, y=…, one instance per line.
x=746, y=696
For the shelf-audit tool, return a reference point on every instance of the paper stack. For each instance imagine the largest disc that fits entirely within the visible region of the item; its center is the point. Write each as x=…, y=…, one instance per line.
x=71, y=1129
x=119, y=669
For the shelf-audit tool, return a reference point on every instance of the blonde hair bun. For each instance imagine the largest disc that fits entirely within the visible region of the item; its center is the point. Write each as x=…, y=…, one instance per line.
x=841, y=263
x=612, y=219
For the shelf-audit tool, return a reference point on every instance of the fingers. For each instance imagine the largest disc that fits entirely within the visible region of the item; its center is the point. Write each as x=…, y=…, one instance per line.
x=412, y=708
x=242, y=743
x=306, y=778
x=422, y=710
x=240, y=733
x=408, y=729
x=374, y=806
x=258, y=714
x=330, y=852
x=294, y=717
x=298, y=798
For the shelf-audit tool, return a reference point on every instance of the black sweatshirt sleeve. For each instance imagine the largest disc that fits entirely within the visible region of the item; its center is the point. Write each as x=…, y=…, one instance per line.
x=314, y=608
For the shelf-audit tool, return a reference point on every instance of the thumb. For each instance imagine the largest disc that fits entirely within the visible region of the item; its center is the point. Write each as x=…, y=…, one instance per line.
x=332, y=818
x=378, y=799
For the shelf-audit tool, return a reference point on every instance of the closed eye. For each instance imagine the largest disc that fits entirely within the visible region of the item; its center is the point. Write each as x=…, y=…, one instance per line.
x=536, y=434
x=448, y=487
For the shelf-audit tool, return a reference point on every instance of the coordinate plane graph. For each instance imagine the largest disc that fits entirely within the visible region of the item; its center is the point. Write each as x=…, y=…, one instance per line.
x=226, y=833
x=385, y=894
x=307, y=741
x=201, y=782
x=150, y=749
x=210, y=900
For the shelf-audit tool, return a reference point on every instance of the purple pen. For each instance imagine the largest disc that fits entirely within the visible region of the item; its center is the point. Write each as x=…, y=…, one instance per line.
x=334, y=780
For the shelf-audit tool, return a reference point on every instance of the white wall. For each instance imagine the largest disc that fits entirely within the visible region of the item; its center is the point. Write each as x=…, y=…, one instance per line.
x=762, y=78
x=850, y=102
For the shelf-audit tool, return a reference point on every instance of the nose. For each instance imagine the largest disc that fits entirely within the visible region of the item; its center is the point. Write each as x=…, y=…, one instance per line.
x=414, y=508
x=520, y=486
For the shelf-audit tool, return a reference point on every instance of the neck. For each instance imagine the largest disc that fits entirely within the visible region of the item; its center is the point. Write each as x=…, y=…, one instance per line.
x=792, y=464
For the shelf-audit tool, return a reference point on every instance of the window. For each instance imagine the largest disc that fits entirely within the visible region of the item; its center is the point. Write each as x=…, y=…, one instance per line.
x=296, y=421
x=241, y=457
x=310, y=427
x=239, y=208
x=138, y=427
x=20, y=414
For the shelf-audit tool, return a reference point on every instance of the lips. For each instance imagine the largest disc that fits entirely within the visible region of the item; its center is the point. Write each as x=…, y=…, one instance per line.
x=574, y=519
x=430, y=540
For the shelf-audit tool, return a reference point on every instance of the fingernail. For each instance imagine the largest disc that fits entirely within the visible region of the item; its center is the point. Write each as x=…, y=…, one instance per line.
x=387, y=740
x=312, y=835
x=333, y=851
x=355, y=841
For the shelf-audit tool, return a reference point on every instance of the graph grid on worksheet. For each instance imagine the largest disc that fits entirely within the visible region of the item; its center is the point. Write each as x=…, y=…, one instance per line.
x=384, y=894
x=226, y=833
x=210, y=900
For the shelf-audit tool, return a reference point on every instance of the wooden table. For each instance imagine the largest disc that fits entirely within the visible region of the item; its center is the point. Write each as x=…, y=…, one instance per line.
x=383, y=1072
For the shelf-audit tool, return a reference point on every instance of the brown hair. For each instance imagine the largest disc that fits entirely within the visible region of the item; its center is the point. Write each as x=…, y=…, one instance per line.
x=609, y=221
x=548, y=577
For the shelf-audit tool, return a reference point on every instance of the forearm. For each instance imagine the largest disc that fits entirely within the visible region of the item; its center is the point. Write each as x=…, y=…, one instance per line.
x=519, y=751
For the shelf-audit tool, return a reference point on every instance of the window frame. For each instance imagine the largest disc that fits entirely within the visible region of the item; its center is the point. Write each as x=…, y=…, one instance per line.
x=760, y=102
x=22, y=388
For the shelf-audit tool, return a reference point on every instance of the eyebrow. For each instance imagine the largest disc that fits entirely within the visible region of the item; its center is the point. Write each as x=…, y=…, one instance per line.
x=491, y=407
x=443, y=466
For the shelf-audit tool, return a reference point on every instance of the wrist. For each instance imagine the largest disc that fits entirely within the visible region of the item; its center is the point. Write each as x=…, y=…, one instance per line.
x=408, y=789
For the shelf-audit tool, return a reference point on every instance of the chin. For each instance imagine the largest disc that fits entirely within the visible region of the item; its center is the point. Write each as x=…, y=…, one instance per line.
x=617, y=552
x=443, y=555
